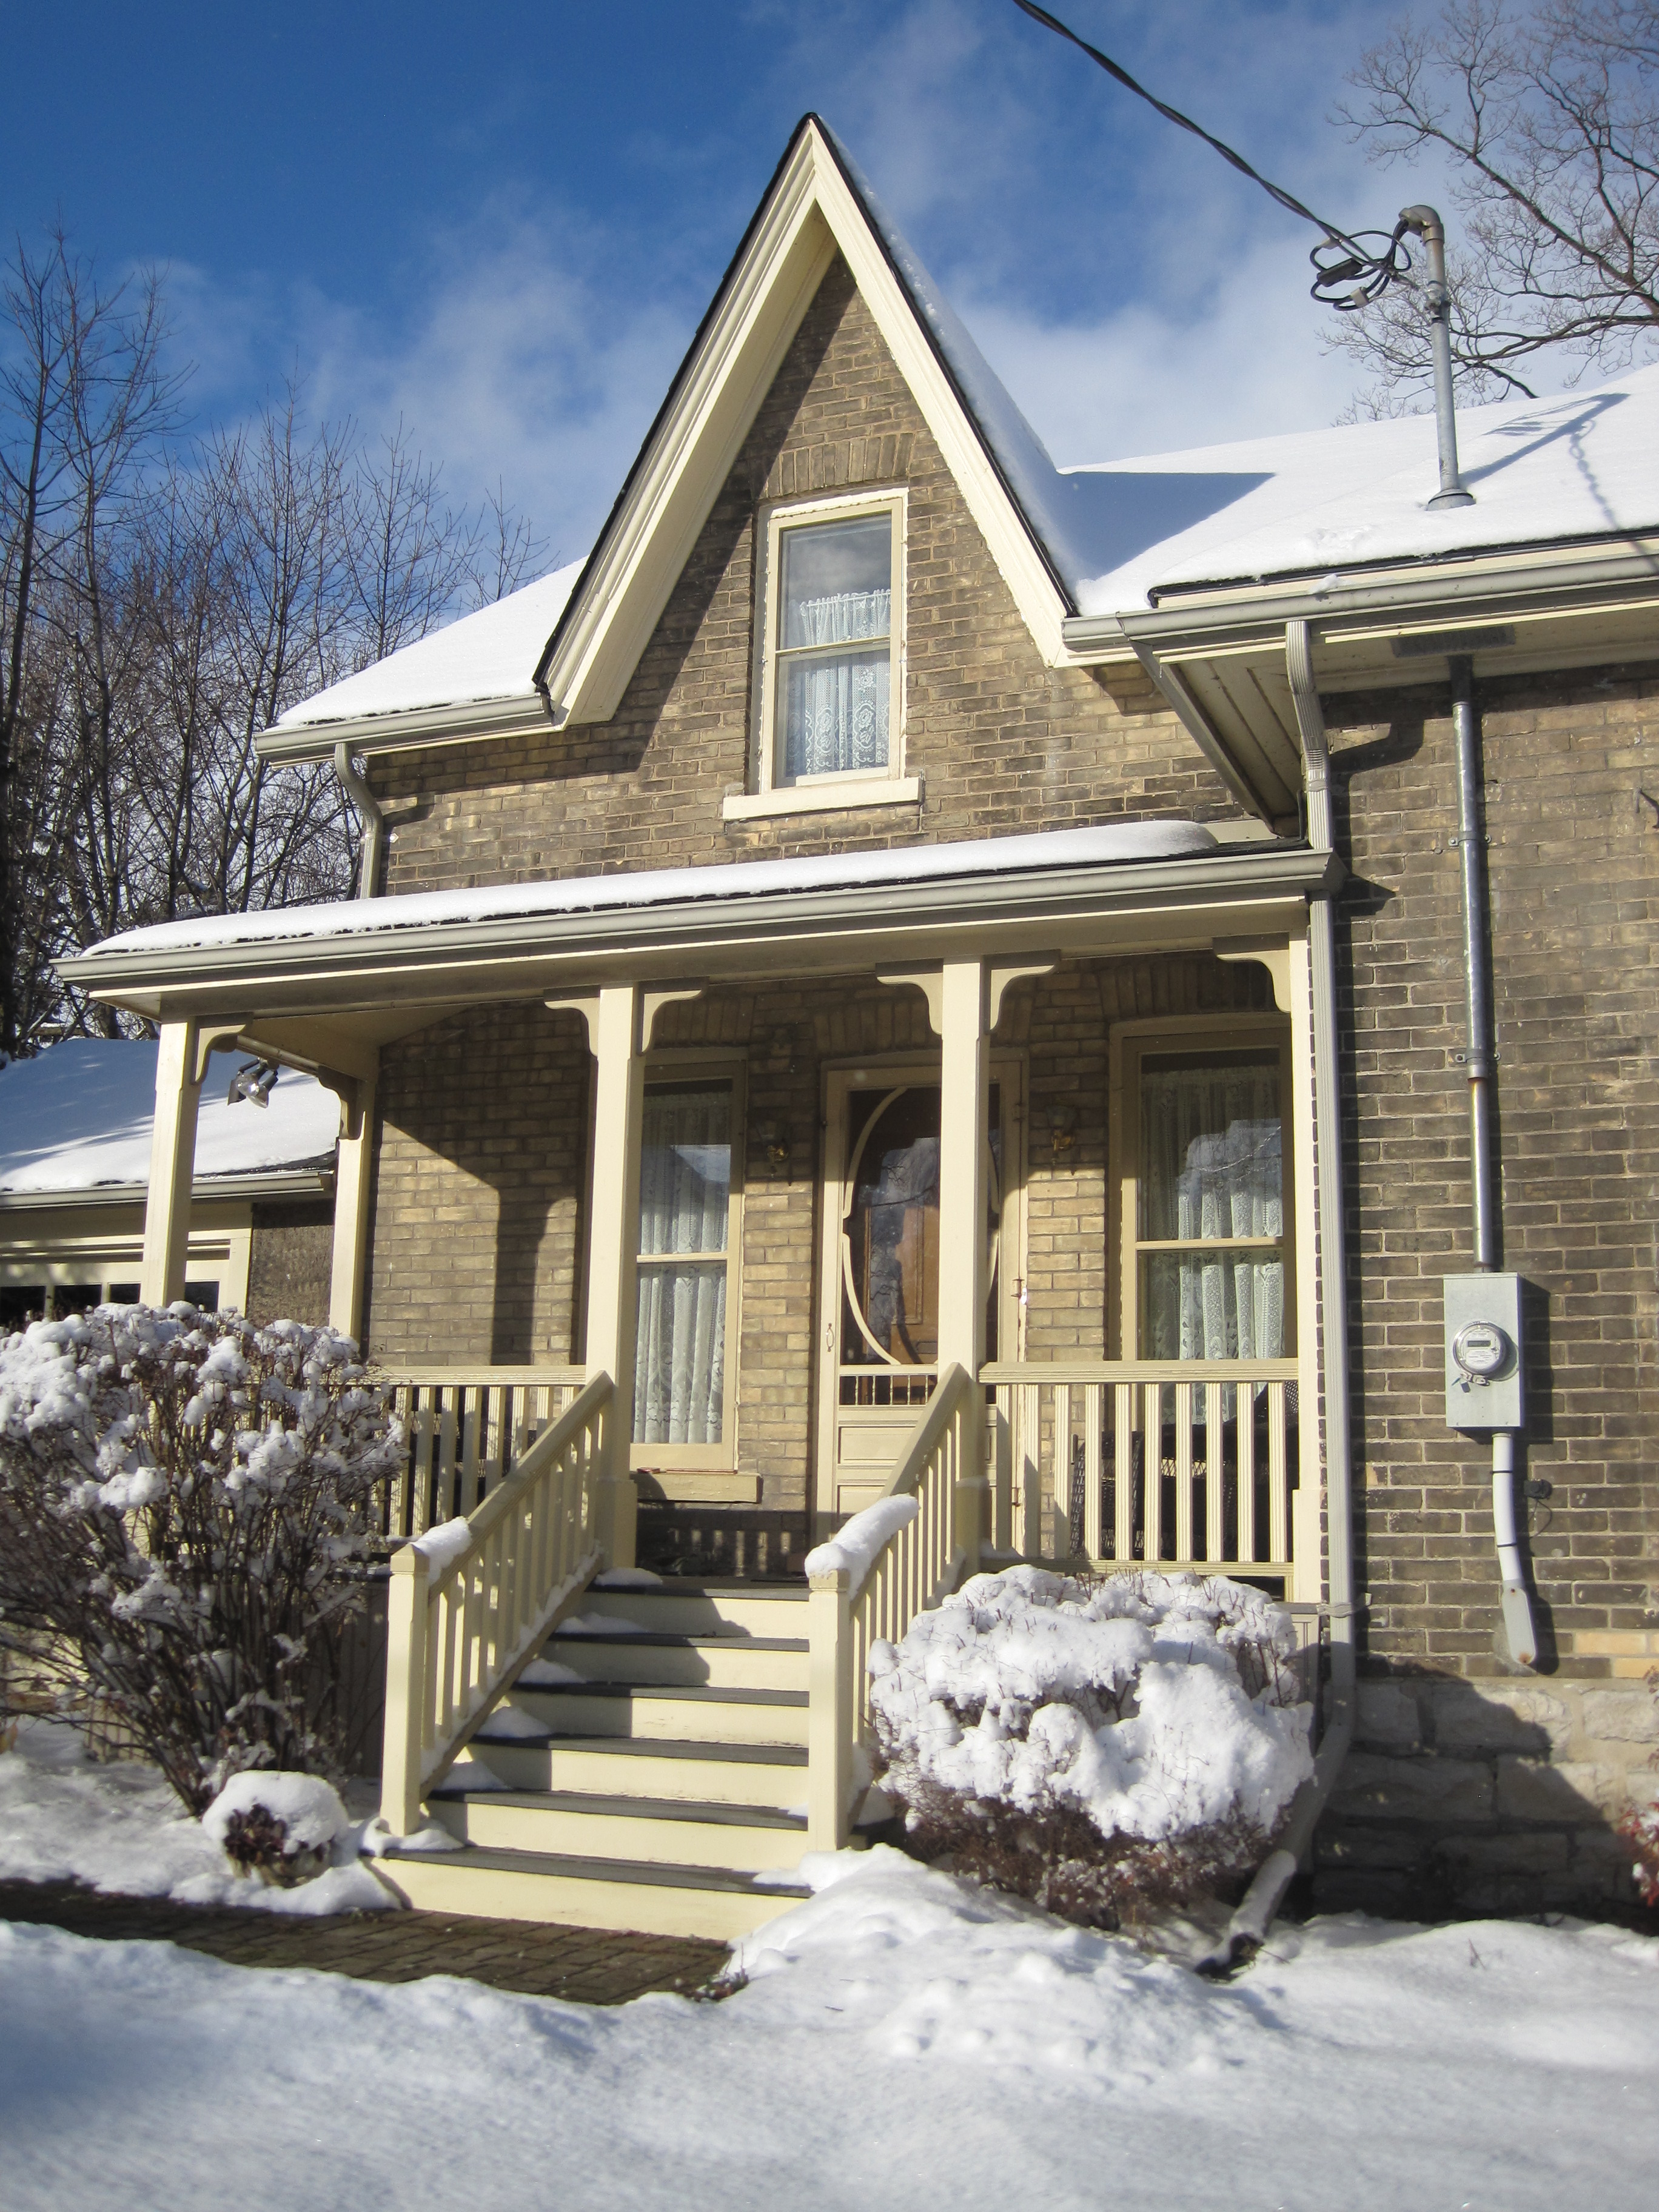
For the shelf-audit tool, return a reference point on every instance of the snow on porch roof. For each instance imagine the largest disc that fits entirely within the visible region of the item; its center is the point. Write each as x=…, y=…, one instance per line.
x=78, y=1118
x=1116, y=843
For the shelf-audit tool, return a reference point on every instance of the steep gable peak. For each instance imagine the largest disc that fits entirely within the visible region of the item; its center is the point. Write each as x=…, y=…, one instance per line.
x=815, y=207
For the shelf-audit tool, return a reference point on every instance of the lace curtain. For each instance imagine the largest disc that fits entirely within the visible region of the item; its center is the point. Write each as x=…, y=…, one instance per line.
x=1211, y=1168
x=836, y=707
x=686, y=1183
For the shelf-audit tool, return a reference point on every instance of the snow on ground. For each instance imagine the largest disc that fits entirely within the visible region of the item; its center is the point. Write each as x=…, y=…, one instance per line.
x=119, y=1827
x=901, y=2042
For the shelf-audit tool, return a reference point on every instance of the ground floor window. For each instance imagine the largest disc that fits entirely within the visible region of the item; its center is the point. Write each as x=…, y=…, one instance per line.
x=685, y=1238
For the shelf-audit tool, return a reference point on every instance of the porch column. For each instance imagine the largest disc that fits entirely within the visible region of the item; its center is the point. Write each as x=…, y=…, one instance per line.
x=353, y=1164
x=172, y=1164
x=613, y=1228
x=964, y=1113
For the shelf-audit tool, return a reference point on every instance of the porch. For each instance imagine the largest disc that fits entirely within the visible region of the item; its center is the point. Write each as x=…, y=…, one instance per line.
x=780, y=1204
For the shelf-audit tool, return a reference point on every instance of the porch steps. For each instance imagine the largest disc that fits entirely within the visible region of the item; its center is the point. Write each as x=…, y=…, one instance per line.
x=661, y=1787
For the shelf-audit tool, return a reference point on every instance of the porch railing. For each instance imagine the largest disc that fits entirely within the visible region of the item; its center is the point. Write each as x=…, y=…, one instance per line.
x=872, y=1580
x=1160, y=1463
x=463, y=1615
x=466, y=1427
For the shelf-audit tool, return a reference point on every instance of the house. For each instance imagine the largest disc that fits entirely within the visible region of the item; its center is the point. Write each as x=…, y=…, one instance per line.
x=1110, y=1012
x=75, y=1147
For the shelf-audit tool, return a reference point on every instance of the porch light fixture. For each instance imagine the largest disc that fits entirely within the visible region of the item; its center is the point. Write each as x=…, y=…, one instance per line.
x=1062, y=1129
x=775, y=1143
x=254, y=1080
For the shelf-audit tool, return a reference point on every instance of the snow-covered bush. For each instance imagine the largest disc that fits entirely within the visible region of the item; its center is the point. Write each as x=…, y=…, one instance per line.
x=283, y=1826
x=185, y=1502
x=1101, y=1746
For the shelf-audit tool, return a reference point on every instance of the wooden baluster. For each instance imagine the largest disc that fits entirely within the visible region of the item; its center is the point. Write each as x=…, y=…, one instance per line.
x=1124, y=1467
x=419, y=1516
x=471, y=1483
x=1214, y=1542
x=1094, y=1399
x=451, y=1506
x=1028, y=1474
x=399, y=1490
x=1246, y=1471
x=1152, y=1419
x=1183, y=1430
x=1279, y=1488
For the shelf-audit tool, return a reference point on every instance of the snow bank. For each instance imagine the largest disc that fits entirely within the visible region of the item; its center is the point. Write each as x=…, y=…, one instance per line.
x=905, y=2041
x=119, y=1828
x=857, y=1545
x=1124, y=1701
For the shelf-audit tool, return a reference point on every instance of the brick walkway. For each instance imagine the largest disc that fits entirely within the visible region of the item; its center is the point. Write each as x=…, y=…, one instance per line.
x=586, y=1965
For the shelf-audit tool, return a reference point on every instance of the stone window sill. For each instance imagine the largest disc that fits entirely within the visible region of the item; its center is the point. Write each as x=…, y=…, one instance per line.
x=821, y=798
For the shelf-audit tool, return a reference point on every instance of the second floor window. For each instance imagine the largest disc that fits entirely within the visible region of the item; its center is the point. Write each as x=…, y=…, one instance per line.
x=834, y=602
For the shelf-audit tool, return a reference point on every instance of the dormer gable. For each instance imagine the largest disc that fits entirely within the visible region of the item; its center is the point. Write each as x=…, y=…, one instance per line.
x=816, y=208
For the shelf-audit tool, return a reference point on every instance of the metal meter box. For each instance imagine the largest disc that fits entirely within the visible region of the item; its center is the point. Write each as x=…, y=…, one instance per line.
x=1483, y=1353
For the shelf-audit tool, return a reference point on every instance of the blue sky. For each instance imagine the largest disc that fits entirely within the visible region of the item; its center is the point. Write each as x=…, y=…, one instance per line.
x=503, y=223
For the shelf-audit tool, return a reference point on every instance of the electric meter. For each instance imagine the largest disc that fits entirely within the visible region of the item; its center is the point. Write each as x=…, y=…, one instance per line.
x=1483, y=1352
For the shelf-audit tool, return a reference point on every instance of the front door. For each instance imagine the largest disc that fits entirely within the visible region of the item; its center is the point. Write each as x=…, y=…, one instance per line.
x=879, y=1297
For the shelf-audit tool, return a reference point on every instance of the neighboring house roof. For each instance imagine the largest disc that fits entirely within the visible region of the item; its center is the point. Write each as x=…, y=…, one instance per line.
x=76, y=1121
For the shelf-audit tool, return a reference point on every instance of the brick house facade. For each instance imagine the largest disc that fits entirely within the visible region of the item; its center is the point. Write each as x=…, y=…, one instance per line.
x=488, y=1213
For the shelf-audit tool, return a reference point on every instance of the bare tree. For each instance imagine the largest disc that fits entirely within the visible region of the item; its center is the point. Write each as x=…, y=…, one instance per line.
x=1549, y=117
x=162, y=603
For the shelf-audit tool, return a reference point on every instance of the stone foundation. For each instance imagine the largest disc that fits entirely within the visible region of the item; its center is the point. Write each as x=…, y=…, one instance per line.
x=1487, y=1795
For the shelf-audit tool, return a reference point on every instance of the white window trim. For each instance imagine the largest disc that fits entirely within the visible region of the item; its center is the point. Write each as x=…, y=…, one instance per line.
x=888, y=787
x=1131, y=1042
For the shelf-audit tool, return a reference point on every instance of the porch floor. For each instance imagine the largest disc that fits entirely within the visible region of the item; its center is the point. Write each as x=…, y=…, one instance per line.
x=585, y=1966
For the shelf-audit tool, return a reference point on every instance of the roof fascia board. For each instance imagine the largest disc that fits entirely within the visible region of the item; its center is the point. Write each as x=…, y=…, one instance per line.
x=409, y=729
x=290, y=1183
x=445, y=963
x=810, y=212
x=1538, y=580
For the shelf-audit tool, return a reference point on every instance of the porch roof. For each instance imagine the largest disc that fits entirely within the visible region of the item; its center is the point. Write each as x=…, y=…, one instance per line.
x=1134, y=886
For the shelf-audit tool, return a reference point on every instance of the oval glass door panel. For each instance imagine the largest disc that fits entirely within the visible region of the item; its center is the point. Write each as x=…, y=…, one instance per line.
x=890, y=1244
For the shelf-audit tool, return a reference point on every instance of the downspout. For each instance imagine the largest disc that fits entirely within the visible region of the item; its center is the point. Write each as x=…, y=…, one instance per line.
x=1520, y=1629
x=370, y=817
x=1247, y=1929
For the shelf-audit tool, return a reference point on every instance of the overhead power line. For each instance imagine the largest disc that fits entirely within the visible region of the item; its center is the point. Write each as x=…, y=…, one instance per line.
x=1350, y=272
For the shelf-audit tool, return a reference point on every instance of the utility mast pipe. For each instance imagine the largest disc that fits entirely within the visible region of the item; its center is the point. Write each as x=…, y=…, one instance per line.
x=1425, y=223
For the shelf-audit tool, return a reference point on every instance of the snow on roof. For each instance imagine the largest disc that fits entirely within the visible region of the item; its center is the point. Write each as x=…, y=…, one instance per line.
x=1114, y=843
x=491, y=654
x=79, y=1117
x=1582, y=464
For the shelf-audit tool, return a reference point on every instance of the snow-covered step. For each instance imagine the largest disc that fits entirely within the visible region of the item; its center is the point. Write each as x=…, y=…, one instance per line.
x=662, y=1830
x=589, y=1893
x=676, y=1711
x=696, y=1609
x=629, y=1766
x=720, y=1662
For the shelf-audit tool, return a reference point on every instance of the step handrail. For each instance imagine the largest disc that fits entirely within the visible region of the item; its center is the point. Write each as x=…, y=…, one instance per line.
x=470, y=1602
x=871, y=1580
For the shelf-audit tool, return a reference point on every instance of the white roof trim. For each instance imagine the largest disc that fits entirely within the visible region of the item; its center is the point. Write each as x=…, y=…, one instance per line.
x=810, y=212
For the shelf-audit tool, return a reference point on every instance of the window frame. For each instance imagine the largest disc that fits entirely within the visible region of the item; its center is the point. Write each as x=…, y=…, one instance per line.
x=1133, y=1043
x=769, y=792
x=683, y=1065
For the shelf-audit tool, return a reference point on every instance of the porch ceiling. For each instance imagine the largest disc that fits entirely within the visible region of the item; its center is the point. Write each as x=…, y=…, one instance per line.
x=394, y=979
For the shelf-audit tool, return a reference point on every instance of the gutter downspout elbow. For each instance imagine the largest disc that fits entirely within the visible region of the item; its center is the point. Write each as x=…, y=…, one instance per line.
x=370, y=819
x=1246, y=1930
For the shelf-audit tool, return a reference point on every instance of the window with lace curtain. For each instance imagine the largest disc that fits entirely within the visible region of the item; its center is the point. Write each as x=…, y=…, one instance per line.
x=690, y=1195
x=1206, y=1227
x=831, y=621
